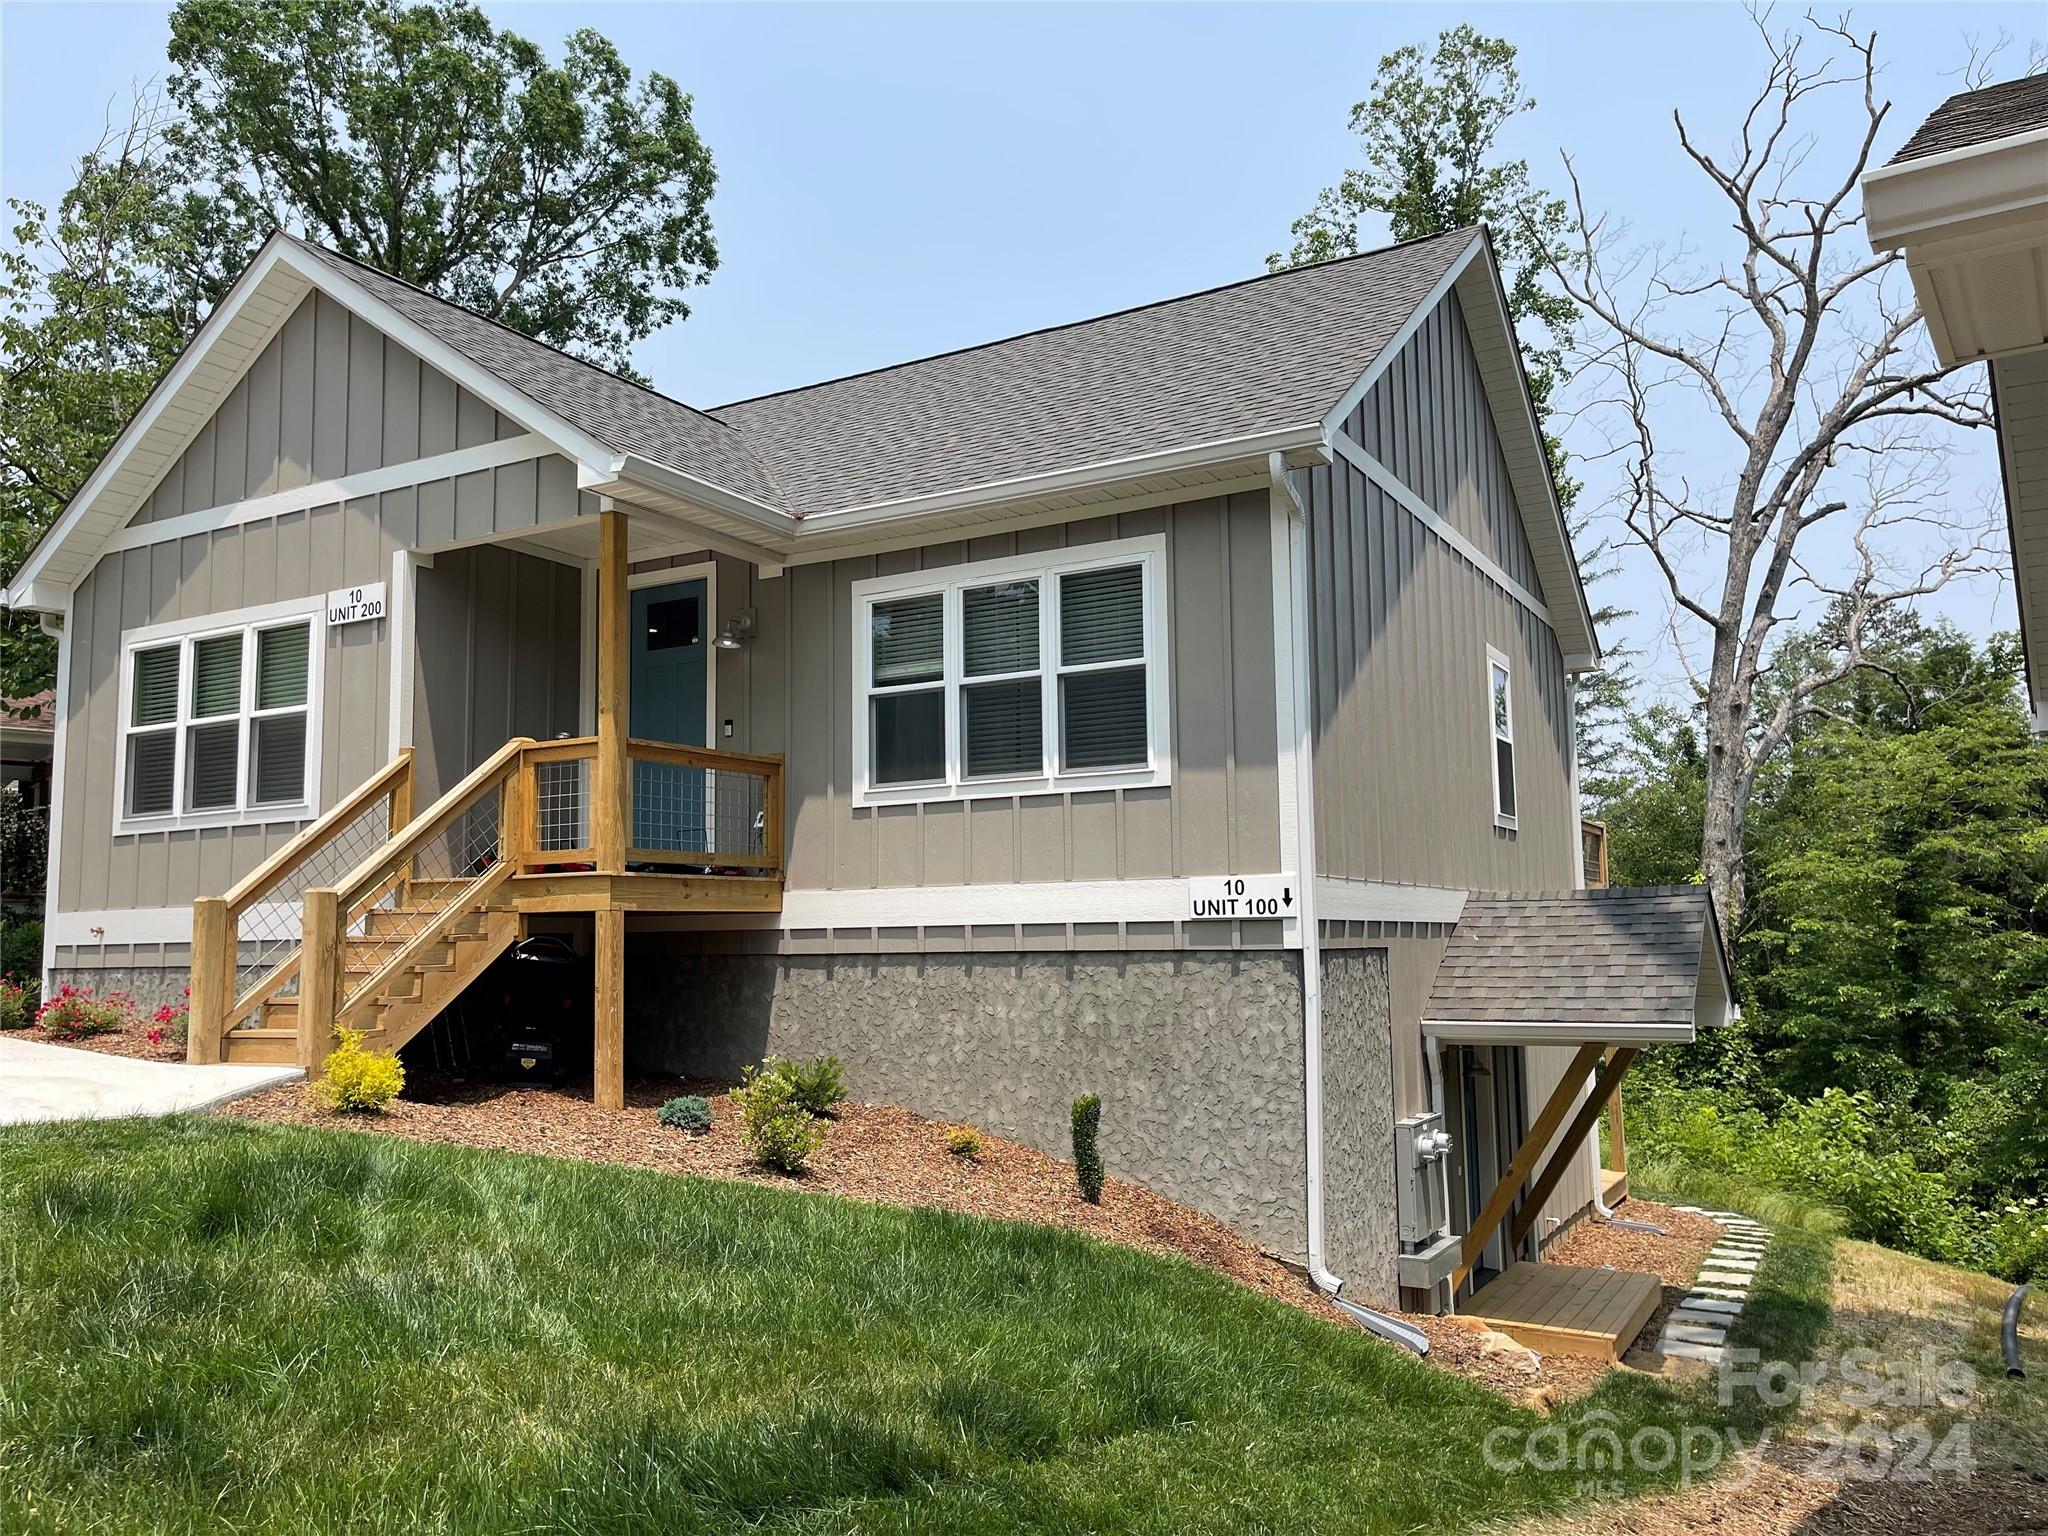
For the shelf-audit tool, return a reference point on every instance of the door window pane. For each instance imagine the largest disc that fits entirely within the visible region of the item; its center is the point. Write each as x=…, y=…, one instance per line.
x=674, y=622
x=1005, y=736
x=909, y=731
x=1102, y=616
x=1103, y=719
x=909, y=640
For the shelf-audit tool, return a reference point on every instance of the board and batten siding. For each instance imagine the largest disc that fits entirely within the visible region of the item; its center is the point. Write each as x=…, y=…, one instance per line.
x=304, y=554
x=791, y=691
x=330, y=395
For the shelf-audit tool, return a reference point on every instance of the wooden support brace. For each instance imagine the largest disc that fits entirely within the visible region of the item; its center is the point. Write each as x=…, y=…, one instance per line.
x=1523, y=1163
x=608, y=1085
x=1617, y=1142
x=1574, y=1138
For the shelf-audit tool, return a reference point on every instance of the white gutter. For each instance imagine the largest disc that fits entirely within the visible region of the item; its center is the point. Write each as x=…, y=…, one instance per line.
x=1289, y=540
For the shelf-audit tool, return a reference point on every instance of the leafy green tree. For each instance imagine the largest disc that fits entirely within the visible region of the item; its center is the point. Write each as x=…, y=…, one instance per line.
x=95, y=300
x=424, y=140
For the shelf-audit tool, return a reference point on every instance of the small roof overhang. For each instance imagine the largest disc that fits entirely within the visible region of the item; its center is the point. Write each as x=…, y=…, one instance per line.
x=1621, y=966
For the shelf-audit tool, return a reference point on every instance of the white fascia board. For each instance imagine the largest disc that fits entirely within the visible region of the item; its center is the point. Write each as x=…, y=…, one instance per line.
x=1979, y=181
x=481, y=382
x=770, y=520
x=1287, y=440
x=1555, y=1032
x=19, y=592
x=1339, y=900
x=1385, y=359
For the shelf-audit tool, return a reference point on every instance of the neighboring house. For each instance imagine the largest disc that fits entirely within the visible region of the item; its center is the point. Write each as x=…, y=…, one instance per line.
x=1966, y=200
x=28, y=735
x=1129, y=707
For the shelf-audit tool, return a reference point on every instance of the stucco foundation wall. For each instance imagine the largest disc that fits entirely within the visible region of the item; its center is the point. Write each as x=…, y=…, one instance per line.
x=1359, y=1222
x=150, y=985
x=1197, y=1056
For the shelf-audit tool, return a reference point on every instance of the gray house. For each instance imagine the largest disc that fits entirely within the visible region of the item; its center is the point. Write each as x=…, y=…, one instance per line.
x=1134, y=706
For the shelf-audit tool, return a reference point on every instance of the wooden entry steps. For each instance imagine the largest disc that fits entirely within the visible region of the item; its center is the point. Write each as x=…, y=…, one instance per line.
x=1560, y=1309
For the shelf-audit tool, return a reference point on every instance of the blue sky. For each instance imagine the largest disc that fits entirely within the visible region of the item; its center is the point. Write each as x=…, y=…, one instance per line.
x=896, y=181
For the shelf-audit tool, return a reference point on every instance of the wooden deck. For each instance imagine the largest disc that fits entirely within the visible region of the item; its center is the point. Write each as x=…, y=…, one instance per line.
x=1561, y=1310
x=1613, y=1186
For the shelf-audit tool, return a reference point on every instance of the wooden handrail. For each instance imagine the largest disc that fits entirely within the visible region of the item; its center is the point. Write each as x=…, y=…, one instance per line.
x=245, y=893
x=574, y=749
x=703, y=757
x=386, y=861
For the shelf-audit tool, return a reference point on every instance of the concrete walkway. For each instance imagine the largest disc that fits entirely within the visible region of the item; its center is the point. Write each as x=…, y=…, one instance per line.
x=55, y=1082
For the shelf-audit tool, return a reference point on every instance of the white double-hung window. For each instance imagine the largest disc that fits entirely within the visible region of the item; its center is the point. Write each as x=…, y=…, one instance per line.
x=1023, y=675
x=1500, y=706
x=219, y=719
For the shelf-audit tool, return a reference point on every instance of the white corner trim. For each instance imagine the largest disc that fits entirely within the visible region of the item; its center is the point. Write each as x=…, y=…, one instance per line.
x=1334, y=422
x=327, y=493
x=1423, y=513
x=403, y=643
x=53, y=877
x=1385, y=901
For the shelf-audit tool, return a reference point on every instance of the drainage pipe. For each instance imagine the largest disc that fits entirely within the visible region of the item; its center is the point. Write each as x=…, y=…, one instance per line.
x=1407, y=1335
x=2009, y=1328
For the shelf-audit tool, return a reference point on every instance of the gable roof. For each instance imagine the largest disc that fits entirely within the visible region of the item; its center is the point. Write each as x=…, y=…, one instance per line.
x=1970, y=118
x=1212, y=367
x=1172, y=395
x=1621, y=961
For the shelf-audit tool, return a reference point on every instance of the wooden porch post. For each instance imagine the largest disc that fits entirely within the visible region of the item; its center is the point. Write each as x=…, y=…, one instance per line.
x=213, y=979
x=319, y=978
x=1523, y=1163
x=1617, y=1143
x=1574, y=1138
x=610, y=792
x=608, y=1086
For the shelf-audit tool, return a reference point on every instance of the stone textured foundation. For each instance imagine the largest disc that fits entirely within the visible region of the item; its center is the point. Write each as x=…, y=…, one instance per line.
x=150, y=985
x=1360, y=1229
x=1197, y=1055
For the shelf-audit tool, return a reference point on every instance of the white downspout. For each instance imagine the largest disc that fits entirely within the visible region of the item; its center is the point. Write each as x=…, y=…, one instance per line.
x=1298, y=839
x=1433, y=1059
x=1571, y=711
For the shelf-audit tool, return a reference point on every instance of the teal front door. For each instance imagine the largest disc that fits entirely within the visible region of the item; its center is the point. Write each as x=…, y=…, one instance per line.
x=670, y=647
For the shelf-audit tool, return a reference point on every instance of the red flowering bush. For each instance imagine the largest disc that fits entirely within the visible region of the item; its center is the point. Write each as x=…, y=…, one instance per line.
x=17, y=1003
x=75, y=1013
x=171, y=1021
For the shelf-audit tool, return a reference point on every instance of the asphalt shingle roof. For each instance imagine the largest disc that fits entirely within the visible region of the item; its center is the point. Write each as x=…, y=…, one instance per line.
x=1625, y=955
x=1977, y=117
x=622, y=415
x=1270, y=352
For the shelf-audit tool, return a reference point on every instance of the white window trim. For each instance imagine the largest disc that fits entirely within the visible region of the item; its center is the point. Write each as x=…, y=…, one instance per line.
x=185, y=632
x=1494, y=659
x=1149, y=553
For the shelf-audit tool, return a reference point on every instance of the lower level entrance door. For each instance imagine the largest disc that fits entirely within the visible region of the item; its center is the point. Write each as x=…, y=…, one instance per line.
x=668, y=677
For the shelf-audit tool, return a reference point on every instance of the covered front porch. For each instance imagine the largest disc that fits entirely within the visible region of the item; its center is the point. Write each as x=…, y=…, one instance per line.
x=379, y=914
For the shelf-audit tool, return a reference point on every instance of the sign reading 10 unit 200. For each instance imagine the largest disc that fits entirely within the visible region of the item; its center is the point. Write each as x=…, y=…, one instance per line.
x=352, y=605
x=1225, y=896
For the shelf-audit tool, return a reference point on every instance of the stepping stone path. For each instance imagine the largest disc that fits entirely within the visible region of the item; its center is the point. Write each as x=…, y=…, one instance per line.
x=1698, y=1329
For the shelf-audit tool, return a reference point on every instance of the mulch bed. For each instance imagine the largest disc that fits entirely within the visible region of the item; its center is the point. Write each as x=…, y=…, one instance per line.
x=132, y=1041
x=887, y=1155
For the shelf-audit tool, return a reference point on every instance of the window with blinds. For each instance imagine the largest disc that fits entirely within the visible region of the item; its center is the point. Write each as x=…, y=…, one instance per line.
x=1013, y=676
x=1500, y=704
x=217, y=723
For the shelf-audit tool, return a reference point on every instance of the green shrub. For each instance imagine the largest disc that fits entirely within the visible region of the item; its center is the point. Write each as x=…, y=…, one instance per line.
x=17, y=1003
x=2018, y=1243
x=75, y=1013
x=690, y=1113
x=356, y=1080
x=1087, y=1159
x=818, y=1084
x=964, y=1141
x=21, y=946
x=780, y=1132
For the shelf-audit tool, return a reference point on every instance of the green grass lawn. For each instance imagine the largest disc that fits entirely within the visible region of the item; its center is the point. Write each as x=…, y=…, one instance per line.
x=220, y=1326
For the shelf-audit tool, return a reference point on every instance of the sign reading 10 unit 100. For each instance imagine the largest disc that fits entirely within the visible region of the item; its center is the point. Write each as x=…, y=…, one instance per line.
x=1226, y=896
x=352, y=605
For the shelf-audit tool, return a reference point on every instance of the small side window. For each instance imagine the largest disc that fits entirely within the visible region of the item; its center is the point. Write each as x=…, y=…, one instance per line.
x=1501, y=711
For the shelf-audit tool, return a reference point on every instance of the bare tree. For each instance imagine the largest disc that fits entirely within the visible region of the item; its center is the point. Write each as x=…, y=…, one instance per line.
x=1808, y=352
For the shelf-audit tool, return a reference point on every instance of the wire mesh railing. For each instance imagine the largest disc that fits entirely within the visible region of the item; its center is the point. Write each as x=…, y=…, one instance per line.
x=269, y=930
x=691, y=814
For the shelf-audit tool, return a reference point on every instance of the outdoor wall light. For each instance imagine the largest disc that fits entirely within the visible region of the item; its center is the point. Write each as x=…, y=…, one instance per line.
x=739, y=629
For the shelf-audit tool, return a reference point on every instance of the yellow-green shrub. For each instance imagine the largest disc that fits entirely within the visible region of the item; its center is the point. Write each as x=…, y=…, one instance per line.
x=358, y=1080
